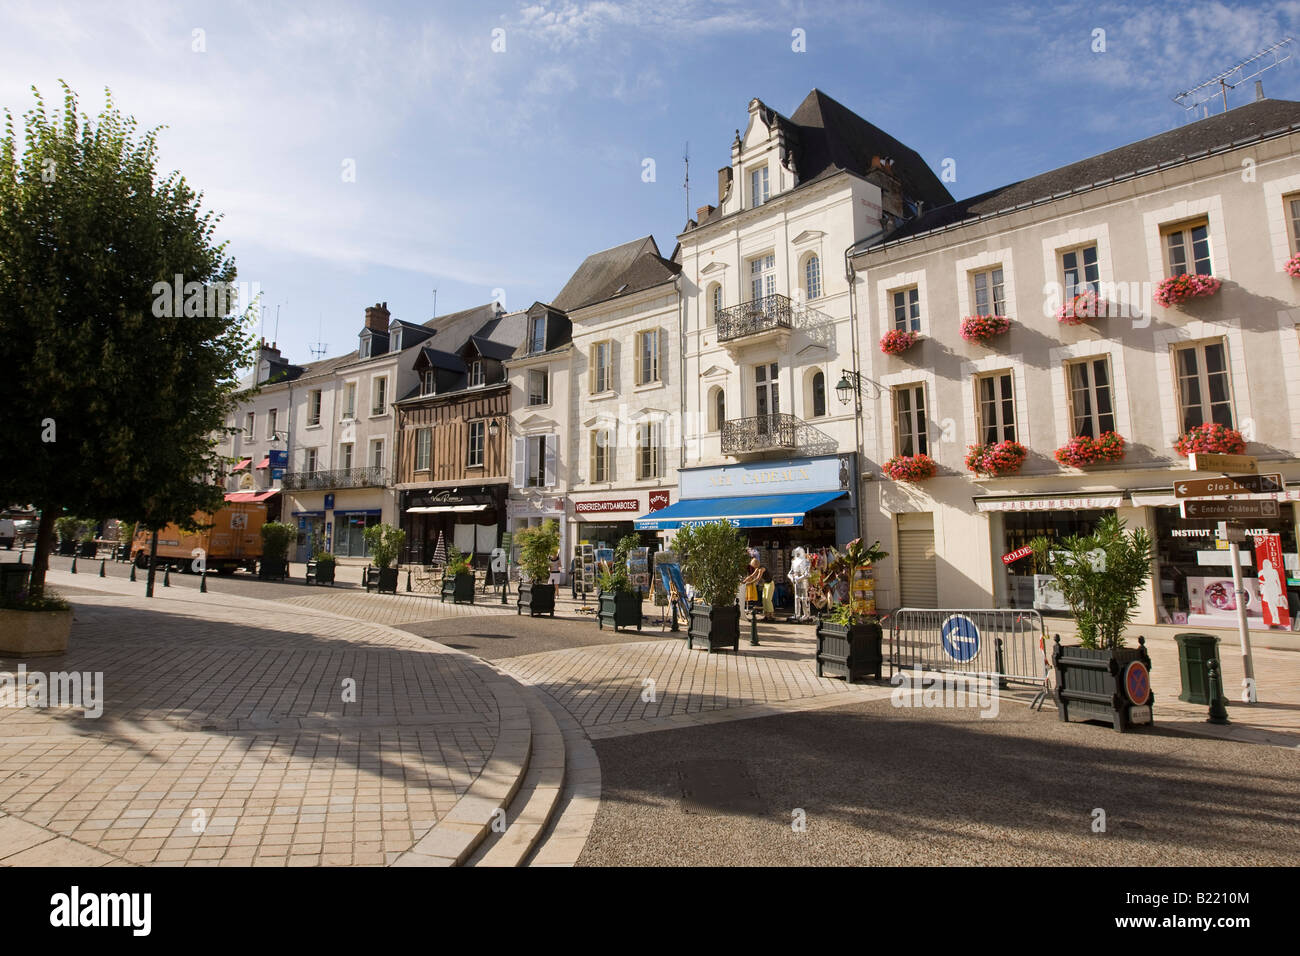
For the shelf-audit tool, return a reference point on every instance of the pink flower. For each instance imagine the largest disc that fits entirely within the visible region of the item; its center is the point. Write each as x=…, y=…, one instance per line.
x=1081, y=308
x=897, y=341
x=910, y=467
x=1084, y=450
x=981, y=328
x=1000, y=458
x=1189, y=285
x=1211, y=439
x=1292, y=266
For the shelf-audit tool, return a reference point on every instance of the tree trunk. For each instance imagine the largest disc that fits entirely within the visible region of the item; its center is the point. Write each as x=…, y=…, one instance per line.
x=44, y=542
x=153, y=558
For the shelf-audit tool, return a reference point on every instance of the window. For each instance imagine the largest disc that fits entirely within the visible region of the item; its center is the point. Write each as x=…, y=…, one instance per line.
x=428, y=382
x=1079, y=271
x=475, y=374
x=1187, y=248
x=537, y=334
x=379, y=396
x=758, y=190
x=714, y=303
x=395, y=339
x=249, y=422
x=535, y=464
x=310, y=461
x=313, y=407
x=1292, y=208
x=767, y=392
x=812, y=277
x=538, y=387
x=474, y=459
x=423, y=445
x=602, y=455
x=1092, y=409
x=818, y=394
x=907, y=309
x=990, y=296
x=762, y=276
x=376, y=453
x=350, y=400
x=1204, y=393
x=272, y=418
x=365, y=347
x=910, y=433
x=602, y=367
x=717, y=408
x=345, y=456
x=647, y=357
x=648, y=453
x=995, y=408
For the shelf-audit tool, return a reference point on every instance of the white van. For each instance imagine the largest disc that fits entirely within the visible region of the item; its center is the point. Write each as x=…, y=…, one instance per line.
x=7, y=532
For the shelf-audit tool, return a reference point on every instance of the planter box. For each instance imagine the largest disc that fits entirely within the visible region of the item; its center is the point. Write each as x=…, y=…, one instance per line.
x=538, y=598
x=459, y=588
x=851, y=652
x=1094, y=684
x=34, y=633
x=87, y=549
x=272, y=569
x=620, y=610
x=320, y=572
x=67, y=548
x=714, y=627
x=383, y=579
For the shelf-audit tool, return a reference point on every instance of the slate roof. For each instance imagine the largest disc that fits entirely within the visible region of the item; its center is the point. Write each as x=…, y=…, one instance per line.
x=1187, y=142
x=631, y=267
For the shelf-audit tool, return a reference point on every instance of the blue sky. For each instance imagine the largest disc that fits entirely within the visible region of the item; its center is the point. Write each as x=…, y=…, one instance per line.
x=478, y=170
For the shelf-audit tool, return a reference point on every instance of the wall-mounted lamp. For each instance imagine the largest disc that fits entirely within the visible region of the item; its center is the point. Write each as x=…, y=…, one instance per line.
x=849, y=386
x=494, y=428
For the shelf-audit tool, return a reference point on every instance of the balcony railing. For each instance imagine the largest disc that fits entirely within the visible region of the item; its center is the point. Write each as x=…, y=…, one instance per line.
x=778, y=432
x=326, y=480
x=771, y=313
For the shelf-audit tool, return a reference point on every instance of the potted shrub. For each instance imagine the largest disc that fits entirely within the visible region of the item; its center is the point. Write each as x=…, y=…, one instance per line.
x=849, y=644
x=1178, y=289
x=34, y=624
x=385, y=544
x=996, y=460
x=68, y=530
x=276, y=538
x=125, y=536
x=457, y=578
x=1083, y=450
x=898, y=341
x=910, y=468
x=536, y=545
x=320, y=570
x=982, y=328
x=713, y=559
x=1101, y=576
x=1210, y=439
x=1081, y=308
x=620, y=603
x=86, y=547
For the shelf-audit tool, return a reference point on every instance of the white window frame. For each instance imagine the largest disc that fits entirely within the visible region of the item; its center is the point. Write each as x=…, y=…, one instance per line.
x=378, y=384
x=428, y=381
x=376, y=457
x=995, y=278
x=602, y=372
x=917, y=419
x=315, y=401
x=647, y=373
x=1209, y=207
x=311, y=460
x=1095, y=416
x=423, y=448
x=534, y=324
x=760, y=190
x=349, y=401
x=272, y=420
x=476, y=452
x=812, y=280
x=346, y=455
x=1004, y=390
x=649, y=451
x=250, y=426
x=1206, y=407
x=476, y=375
x=531, y=393
x=762, y=280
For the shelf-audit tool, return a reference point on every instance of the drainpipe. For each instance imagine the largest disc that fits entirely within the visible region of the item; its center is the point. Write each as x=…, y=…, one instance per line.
x=681, y=372
x=851, y=275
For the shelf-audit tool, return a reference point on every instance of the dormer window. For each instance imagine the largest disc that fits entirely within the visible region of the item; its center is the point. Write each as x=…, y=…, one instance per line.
x=537, y=334
x=475, y=374
x=427, y=384
x=395, y=340
x=758, y=186
x=365, y=346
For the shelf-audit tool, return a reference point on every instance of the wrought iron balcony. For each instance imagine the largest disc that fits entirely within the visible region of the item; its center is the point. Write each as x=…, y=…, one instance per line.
x=328, y=480
x=778, y=432
x=771, y=313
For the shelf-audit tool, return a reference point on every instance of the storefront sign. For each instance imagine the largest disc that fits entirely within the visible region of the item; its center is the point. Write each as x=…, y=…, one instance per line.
x=1017, y=554
x=1227, y=508
x=329, y=501
x=1243, y=484
x=659, y=499
x=1272, y=584
x=1048, y=504
x=279, y=461
x=827, y=473
x=603, y=507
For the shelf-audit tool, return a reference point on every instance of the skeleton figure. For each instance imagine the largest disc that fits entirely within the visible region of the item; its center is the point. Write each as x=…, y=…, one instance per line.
x=799, y=570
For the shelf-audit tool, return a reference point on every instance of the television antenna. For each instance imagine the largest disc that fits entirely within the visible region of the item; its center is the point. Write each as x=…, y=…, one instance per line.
x=686, y=160
x=1229, y=79
x=320, y=348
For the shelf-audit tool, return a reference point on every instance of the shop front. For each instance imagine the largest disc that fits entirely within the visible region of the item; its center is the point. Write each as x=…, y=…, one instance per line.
x=471, y=519
x=335, y=521
x=602, y=520
x=532, y=511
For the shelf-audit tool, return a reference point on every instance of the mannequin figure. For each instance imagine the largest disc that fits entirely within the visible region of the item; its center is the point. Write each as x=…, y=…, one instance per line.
x=799, y=570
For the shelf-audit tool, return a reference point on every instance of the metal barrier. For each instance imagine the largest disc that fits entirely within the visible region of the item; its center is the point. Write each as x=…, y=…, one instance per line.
x=1001, y=641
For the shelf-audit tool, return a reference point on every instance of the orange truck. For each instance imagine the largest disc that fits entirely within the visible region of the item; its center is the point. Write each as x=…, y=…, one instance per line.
x=233, y=540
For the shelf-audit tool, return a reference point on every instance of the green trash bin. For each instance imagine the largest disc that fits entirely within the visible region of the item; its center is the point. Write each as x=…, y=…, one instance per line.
x=14, y=579
x=1195, y=651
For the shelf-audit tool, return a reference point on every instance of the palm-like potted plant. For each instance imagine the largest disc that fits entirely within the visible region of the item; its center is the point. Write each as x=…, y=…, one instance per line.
x=536, y=546
x=321, y=568
x=68, y=530
x=457, y=578
x=620, y=602
x=276, y=537
x=713, y=559
x=1101, y=576
x=385, y=544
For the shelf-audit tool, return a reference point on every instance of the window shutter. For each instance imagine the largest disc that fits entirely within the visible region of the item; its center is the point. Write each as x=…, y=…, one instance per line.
x=551, y=442
x=521, y=453
x=592, y=358
x=661, y=358
x=636, y=359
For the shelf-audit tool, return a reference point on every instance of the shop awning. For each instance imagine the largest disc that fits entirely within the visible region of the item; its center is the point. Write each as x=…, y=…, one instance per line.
x=251, y=495
x=243, y=463
x=1082, y=503
x=266, y=463
x=435, y=509
x=747, y=511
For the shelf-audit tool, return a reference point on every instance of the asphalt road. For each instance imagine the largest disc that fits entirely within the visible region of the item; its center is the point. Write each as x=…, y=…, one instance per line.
x=498, y=637
x=885, y=786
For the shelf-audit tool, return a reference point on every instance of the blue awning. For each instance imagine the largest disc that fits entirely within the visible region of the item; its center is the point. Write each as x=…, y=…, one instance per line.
x=747, y=511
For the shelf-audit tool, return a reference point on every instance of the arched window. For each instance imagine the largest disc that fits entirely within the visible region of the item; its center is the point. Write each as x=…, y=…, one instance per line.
x=818, y=397
x=713, y=304
x=717, y=408
x=812, y=277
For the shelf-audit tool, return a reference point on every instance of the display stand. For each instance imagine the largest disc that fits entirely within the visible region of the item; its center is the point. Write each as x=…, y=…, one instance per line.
x=586, y=556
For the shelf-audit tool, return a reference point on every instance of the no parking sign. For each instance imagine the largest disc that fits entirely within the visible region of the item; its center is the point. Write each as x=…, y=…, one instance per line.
x=961, y=638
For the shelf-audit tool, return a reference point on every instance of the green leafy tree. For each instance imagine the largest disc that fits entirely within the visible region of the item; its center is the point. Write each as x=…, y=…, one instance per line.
x=1101, y=576
x=124, y=391
x=713, y=558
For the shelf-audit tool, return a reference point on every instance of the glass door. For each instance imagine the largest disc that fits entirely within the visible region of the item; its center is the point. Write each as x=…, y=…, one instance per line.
x=767, y=397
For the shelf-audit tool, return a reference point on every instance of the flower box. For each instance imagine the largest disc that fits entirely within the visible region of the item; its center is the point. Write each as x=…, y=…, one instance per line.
x=34, y=633
x=1097, y=684
x=1082, y=308
x=1085, y=450
x=1176, y=289
x=714, y=626
x=1292, y=267
x=619, y=609
x=910, y=467
x=998, y=459
x=458, y=587
x=851, y=651
x=981, y=328
x=897, y=341
x=1210, y=439
x=538, y=597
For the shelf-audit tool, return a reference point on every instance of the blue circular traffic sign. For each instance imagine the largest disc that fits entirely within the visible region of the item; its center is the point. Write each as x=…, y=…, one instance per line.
x=961, y=638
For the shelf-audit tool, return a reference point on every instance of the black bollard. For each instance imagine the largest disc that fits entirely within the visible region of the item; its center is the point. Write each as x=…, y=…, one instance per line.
x=74, y=564
x=101, y=568
x=408, y=580
x=753, y=627
x=203, y=581
x=133, y=572
x=1002, y=669
x=167, y=576
x=1218, y=713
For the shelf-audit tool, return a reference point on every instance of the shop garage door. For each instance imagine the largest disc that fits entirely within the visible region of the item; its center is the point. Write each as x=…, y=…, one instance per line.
x=917, y=585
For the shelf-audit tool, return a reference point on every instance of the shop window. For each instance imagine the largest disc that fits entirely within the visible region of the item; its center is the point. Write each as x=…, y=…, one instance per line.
x=1092, y=407
x=1026, y=588
x=349, y=534
x=995, y=407
x=1187, y=248
x=910, y=430
x=1204, y=391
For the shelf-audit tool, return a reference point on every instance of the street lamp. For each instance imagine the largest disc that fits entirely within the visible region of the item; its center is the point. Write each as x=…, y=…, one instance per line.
x=848, y=387
x=494, y=428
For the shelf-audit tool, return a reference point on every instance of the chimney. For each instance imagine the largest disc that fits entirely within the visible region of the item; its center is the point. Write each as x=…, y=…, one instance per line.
x=703, y=213
x=377, y=317
x=724, y=183
x=269, y=361
x=1259, y=90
